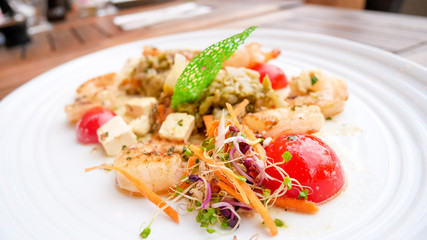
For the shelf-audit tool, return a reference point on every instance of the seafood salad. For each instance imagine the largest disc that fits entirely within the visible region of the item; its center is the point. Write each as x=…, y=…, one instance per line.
x=220, y=130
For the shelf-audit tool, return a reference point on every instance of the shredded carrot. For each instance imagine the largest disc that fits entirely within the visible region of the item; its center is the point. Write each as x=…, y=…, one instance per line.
x=231, y=191
x=260, y=208
x=257, y=147
x=223, y=178
x=143, y=189
x=191, y=162
x=208, y=119
x=240, y=107
x=223, y=169
x=212, y=128
x=298, y=205
x=233, y=116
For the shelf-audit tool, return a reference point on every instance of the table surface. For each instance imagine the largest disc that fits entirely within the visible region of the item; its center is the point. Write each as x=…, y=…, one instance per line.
x=403, y=35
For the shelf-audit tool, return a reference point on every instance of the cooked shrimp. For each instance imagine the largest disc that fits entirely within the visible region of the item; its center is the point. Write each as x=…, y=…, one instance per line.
x=315, y=88
x=250, y=56
x=156, y=163
x=272, y=123
x=98, y=91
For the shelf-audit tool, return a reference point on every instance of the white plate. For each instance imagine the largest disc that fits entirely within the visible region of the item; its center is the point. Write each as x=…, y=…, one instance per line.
x=46, y=195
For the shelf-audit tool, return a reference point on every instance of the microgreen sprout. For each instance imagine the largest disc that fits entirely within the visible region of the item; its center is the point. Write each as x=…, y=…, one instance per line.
x=286, y=156
x=303, y=193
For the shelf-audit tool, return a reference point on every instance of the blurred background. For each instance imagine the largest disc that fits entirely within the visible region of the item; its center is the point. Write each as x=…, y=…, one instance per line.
x=37, y=35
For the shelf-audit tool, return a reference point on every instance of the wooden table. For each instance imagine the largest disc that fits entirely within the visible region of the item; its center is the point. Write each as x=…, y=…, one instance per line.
x=400, y=34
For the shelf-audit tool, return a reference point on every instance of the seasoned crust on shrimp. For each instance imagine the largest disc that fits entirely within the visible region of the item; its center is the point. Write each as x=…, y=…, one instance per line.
x=158, y=164
x=313, y=87
x=297, y=119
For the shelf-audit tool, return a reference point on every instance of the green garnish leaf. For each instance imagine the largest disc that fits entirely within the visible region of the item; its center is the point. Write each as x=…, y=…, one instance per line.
x=241, y=178
x=210, y=230
x=279, y=223
x=314, y=80
x=303, y=193
x=145, y=232
x=170, y=151
x=190, y=209
x=286, y=156
x=188, y=152
x=203, y=68
x=208, y=144
x=180, y=122
x=328, y=118
x=287, y=182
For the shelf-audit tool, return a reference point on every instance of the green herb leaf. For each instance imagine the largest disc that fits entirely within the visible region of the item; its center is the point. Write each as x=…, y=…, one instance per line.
x=210, y=230
x=279, y=223
x=188, y=152
x=170, y=151
x=241, y=178
x=145, y=232
x=328, y=118
x=203, y=68
x=287, y=182
x=286, y=156
x=314, y=80
x=180, y=122
x=303, y=193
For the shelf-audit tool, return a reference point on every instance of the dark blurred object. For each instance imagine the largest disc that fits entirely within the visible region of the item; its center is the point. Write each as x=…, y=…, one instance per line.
x=14, y=27
x=384, y=5
x=123, y=4
x=56, y=10
x=354, y=4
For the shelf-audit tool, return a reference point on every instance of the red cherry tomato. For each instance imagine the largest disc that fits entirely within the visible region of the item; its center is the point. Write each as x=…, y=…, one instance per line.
x=276, y=75
x=314, y=164
x=90, y=122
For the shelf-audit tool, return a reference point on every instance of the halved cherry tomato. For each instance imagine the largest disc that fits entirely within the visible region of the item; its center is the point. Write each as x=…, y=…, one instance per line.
x=276, y=75
x=314, y=164
x=90, y=122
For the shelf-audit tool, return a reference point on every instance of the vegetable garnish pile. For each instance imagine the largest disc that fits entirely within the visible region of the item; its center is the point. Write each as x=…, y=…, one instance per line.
x=201, y=71
x=209, y=129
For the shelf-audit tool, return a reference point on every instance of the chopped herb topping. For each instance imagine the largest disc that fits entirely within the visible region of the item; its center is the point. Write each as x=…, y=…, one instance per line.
x=180, y=122
x=123, y=147
x=129, y=158
x=314, y=80
x=170, y=151
x=328, y=118
x=286, y=156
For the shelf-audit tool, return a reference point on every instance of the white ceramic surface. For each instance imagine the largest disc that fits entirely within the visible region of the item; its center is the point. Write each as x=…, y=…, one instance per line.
x=381, y=138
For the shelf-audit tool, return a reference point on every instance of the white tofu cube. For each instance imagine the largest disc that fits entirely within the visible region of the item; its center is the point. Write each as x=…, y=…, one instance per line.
x=115, y=134
x=143, y=106
x=141, y=125
x=177, y=127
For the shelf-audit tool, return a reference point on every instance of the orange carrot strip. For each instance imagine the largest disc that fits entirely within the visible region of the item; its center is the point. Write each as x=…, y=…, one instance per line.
x=298, y=205
x=224, y=170
x=257, y=147
x=233, y=116
x=260, y=208
x=208, y=119
x=240, y=107
x=212, y=128
x=143, y=189
x=222, y=178
x=231, y=191
x=190, y=164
